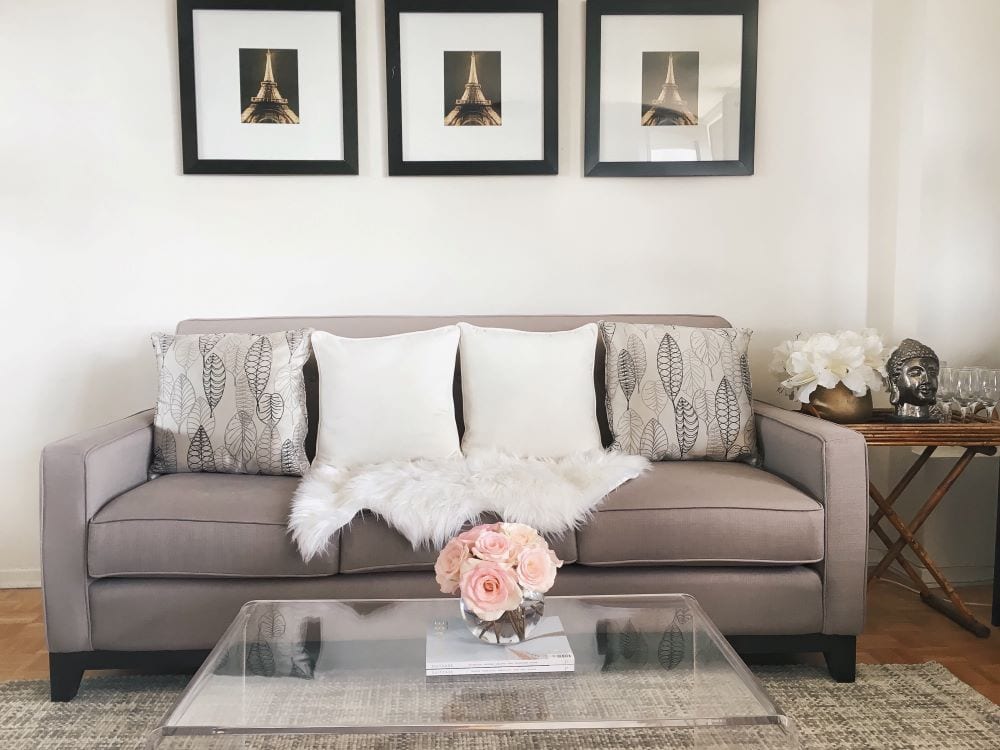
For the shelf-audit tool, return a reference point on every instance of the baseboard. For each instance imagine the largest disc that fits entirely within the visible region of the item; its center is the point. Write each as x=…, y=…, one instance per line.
x=20, y=578
x=959, y=576
x=962, y=575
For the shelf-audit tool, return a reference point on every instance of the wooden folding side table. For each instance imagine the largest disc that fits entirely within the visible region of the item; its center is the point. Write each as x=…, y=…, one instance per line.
x=975, y=437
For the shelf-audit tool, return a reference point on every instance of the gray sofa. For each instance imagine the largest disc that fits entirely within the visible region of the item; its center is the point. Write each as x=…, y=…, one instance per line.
x=147, y=573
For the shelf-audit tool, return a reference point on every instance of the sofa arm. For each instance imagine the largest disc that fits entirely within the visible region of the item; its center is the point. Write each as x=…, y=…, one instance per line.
x=78, y=476
x=830, y=462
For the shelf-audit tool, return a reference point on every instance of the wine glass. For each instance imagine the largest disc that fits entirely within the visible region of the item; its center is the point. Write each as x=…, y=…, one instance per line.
x=946, y=391
x=965, y=390
x=989, y=390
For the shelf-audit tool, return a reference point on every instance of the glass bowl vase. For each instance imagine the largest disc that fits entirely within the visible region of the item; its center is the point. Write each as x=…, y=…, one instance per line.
x=513, y=626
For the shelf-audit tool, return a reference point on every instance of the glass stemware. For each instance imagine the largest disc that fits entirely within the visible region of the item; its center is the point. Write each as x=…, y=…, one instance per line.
x=965, y=390
x=946, y=392
x=989, y=390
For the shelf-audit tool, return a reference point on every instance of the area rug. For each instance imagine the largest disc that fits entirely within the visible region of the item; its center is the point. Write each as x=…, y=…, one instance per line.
x=890, y=706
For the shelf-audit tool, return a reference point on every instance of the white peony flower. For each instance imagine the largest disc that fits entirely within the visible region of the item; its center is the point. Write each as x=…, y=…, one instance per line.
x=823, y=360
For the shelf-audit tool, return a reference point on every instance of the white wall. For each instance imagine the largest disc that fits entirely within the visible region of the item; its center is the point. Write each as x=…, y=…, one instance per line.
x=936, y=229
x=104, y=240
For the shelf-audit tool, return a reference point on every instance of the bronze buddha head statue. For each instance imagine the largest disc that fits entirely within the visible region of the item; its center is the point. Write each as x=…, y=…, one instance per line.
x=912, y=374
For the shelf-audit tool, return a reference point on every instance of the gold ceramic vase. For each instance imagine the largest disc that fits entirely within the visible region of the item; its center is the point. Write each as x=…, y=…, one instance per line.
x=838, y=404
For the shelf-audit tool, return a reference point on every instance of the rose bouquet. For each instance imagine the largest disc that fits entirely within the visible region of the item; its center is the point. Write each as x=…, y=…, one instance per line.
x=501, y=572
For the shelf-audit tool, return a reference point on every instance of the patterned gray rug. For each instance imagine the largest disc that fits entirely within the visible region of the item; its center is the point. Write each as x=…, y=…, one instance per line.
x=891, y=706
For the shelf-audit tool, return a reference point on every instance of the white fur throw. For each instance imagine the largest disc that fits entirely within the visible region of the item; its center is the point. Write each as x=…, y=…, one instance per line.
x=429, y=500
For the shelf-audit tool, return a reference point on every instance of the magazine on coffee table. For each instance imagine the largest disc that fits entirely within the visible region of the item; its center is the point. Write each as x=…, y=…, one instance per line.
x=453, y=650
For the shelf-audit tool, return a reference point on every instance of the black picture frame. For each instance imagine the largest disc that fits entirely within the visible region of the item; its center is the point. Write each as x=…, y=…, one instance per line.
x=744, y=165
x=549, y=163
x=193, y=164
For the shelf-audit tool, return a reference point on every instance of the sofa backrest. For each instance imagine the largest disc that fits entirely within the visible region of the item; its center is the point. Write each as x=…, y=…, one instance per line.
x=358, y=326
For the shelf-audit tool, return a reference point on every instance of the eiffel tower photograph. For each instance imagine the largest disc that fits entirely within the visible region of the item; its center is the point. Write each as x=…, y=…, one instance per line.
x=472, y=88
x=669, y=88
x=269, y=86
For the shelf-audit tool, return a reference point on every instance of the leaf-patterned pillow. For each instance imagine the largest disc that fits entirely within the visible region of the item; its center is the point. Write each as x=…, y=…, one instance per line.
x=231, y=402
x=679, y=393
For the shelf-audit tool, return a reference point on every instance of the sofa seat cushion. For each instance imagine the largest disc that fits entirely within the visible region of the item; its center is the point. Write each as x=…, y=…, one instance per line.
x=202, y=525
x=370, y=545
x=704, y=513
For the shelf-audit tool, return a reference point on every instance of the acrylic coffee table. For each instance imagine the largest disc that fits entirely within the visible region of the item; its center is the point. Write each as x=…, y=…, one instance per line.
x=650, y=670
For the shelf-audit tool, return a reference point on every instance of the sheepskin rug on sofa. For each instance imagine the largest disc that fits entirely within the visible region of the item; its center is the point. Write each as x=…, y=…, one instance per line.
x=429, y=500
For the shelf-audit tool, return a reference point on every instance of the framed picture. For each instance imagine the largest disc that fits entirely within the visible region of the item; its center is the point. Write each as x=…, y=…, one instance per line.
x=670, y=87
x=268, y=86
x=472, y=86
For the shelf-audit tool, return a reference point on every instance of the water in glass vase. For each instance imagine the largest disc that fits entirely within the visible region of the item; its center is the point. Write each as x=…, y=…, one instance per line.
x=513, y=626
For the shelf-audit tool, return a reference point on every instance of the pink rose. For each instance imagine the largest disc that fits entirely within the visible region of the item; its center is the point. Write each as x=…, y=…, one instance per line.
x=536, y=568
x=488, y=588
x=448, y=567
x=494, y=546
x=521, y=535
x=470, y=536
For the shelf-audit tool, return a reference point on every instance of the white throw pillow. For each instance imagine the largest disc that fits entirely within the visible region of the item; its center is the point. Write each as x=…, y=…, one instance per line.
x=529, y=394
x=386, y=399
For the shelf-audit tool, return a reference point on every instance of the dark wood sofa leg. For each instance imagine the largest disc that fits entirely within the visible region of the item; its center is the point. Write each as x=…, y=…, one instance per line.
x=65, y=675
x=842, y=657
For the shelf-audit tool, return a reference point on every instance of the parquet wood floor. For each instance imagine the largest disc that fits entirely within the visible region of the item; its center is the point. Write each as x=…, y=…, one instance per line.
x=22, y=636
x=899, y=630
